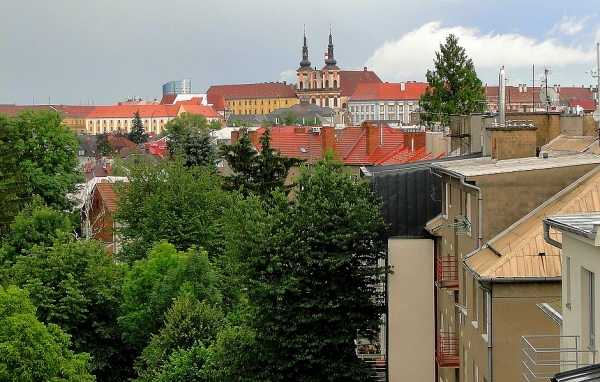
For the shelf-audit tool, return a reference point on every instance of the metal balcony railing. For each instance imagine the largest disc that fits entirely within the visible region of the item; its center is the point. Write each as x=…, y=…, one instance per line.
x=447, y=272
x=543, y=356
x=447, y=350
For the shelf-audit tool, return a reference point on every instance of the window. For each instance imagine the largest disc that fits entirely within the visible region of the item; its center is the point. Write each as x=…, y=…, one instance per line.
x=335, y=84
x=475, y=308
x=475, y=372
x=335, y=102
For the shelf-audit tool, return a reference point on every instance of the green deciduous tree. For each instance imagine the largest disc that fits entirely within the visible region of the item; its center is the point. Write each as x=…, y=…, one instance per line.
x=153, y=283
x=315, y=284
x=13, y=182
x=453, y=86
x=77, y=286
x=290, y=119
x=48, y=155
x=32, y=351
x=189, y=137
x=138, y=133
x=172, y=203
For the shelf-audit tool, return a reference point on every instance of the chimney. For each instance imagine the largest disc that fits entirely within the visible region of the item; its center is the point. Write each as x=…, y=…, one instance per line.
x=372, y=134
x=414, y=140
x=402, y=86
x=107, y=168
x=88, y=167
x=235, y=135
x=513, y=141
x=328, y=137
x=253, y=137
x=299, y=130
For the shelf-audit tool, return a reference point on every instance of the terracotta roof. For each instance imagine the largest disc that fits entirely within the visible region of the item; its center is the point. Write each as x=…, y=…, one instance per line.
x=168, y=99
x=514, y=95
x=108, y=195
x=351, y=145
x=128, y=111
x=217, y=101
x=262, y=90
x=206, y=111
x=349, y=80
x=517, y=251
x=67, y=111
x=388, y=91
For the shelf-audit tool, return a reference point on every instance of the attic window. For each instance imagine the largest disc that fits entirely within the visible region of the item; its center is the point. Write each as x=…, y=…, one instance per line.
x=302, y=150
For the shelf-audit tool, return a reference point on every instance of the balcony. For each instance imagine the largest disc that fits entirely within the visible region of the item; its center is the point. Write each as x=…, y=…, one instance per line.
x=447, y=350
x=446, y=272
x=544, y=356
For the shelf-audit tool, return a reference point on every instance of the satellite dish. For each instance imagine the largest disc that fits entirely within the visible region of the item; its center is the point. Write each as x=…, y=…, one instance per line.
x=549, y=96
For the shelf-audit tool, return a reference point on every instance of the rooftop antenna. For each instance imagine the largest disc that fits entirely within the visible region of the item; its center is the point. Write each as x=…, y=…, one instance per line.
x=547, y=95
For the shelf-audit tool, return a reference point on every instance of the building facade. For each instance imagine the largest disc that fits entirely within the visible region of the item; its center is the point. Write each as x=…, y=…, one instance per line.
x=183, y=86
x=390, y=103
x=329, y=86
x=261, y=98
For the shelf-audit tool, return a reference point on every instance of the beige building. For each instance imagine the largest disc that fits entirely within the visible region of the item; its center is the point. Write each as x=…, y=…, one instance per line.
x=491, y=271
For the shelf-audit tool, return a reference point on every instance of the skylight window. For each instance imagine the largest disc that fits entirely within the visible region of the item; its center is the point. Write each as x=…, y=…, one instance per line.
x=302, y=150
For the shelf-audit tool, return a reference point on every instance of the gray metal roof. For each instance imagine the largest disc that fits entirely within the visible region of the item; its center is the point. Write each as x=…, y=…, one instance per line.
x=587, y=373
x=411, y=194
x=488, y=166
x=580, y=224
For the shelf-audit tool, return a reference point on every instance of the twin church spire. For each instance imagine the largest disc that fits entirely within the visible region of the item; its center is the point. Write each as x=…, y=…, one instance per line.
x=330, y=62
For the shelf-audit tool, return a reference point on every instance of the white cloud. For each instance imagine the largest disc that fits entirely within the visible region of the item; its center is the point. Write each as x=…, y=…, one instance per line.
x=288, y=75
x=409, y=57
x=570, y=25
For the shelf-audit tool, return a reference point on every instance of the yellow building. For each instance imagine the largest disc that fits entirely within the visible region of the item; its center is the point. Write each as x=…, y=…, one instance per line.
x=261, y=98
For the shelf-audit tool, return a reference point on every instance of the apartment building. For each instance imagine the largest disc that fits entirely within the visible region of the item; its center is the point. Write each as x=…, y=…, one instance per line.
x=389, y=103
x=490, y=271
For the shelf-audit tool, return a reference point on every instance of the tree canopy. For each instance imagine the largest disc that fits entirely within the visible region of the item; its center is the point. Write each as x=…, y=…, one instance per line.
x=32, y=351
x=47, y=154
x=453, y=86
x=256, y=173
x=189, y=137
x=315, y=284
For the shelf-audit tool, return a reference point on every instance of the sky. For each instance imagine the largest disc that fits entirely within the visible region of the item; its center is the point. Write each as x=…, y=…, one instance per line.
x=79, y=52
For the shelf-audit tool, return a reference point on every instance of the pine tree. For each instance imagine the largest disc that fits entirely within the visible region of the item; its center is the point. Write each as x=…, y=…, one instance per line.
x=453, y=86
x=137, y=134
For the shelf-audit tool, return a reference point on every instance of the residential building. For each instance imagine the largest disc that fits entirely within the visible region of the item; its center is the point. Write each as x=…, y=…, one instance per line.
x=492, y=267
x=525, y=98
x=261, y=98
x=387, y=103
x=119, y=118
x=97, y=214
x=73, y=116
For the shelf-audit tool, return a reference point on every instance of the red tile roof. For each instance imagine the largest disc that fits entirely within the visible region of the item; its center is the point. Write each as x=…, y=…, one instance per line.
x=206, y=111
x=67, y=111
x=349, y=80
x=128, y=111
x=262, y=90
x=108, y=195
x=351, y=145
x=388, y=91
x=533, y=95
x=217, y=101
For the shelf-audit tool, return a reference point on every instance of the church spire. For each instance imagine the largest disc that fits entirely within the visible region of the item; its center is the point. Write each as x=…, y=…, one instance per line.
x=330, y=62
x=305, y=63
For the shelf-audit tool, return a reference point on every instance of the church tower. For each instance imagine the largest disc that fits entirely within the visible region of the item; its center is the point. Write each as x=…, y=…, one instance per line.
x=331, y=78
x=304, y=70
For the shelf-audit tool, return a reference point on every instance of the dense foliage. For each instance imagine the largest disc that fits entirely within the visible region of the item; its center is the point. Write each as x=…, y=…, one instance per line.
x=215, y=281
x=46, y=154
x=253, y=172
x=189, y=137
x=453, y=86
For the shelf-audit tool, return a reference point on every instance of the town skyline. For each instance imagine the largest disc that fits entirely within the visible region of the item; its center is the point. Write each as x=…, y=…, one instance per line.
x=83, y=54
